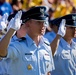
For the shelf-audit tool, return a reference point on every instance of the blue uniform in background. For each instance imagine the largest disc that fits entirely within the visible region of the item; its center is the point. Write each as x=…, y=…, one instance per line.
x=50, y=36
x=65, y=59
x=5, y=8
x=74, y=39
x=28, y=59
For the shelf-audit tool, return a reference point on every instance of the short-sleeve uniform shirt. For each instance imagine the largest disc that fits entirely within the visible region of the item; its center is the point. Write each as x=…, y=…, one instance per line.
x=65, y=59
x=29, y=59
x=50, y=36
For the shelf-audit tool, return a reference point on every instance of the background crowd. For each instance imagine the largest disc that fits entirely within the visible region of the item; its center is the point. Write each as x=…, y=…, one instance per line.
x=32, y=22
x=57, y=8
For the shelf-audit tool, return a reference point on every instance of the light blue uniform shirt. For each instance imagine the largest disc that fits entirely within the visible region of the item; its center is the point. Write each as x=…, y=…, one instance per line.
x=74, y=39
x=25, y=54
x=15, y=38
x=50, y=36
x=3, y=69
x=5, y=62
x=4, y=65
x=65, y=59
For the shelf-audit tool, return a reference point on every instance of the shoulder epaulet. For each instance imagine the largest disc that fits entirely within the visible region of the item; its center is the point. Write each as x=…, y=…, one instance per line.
x=21, y=39
x=47, y=43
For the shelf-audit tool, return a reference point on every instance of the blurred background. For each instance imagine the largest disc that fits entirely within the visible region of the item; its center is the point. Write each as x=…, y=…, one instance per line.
x=57, y=8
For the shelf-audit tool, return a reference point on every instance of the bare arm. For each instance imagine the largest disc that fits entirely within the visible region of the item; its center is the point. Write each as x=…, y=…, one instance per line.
x=15, y=24
x=61, y=33
x=49, y=73
x=5, y=42
x=55, y=43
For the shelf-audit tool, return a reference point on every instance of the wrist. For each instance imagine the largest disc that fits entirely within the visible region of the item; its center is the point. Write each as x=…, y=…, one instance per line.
x=59, y=36
x=12, y=29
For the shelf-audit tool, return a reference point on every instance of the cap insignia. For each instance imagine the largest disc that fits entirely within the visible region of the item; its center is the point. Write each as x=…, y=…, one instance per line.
x=74, y=18
x=42, y=11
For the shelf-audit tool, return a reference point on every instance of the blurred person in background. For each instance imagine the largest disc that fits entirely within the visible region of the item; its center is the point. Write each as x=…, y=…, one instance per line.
x=5, y=7
x=63, y=7
x=50, y=3
x=50, y=13
x=54, y=29
x=28, y=4
x=73, y=10
x=16, y=5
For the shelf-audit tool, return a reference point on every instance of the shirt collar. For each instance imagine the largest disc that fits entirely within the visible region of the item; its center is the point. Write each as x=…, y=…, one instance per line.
x=31, y=42
x=66, y=45
x=14, y=38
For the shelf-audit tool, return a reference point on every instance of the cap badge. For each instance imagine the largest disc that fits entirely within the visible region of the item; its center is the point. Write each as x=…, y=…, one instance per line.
x=74, y=18
x=42, y=11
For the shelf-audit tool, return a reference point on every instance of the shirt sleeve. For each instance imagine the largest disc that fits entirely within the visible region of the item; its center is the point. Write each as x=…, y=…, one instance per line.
x=13, y=51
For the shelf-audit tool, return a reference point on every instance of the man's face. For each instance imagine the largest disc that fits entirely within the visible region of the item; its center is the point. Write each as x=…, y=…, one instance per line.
x=71, y=31
x=37, y=27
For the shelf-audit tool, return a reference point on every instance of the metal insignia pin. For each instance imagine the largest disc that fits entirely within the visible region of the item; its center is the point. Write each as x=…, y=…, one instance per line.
x=74, y=18
x=42, y=11
x=29, y=67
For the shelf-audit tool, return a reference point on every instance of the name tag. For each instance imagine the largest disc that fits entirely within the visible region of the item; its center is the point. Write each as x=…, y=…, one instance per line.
x=28, y=53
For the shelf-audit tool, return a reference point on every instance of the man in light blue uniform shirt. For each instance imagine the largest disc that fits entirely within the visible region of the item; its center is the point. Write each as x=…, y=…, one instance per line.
x=65, y=55
x=3, y=25
x=5, y=62
x=33, y=55
x=51, y=35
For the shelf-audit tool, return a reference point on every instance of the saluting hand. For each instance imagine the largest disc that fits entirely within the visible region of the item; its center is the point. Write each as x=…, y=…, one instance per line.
x=62, y=28
x=15, y=22
x=3, y=21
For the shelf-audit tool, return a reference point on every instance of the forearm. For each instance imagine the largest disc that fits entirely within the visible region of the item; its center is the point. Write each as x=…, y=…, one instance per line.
x=55, y=43
x=5, y=42
x=49, y=73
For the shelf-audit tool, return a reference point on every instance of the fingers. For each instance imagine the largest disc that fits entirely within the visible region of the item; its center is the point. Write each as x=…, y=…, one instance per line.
x=63, y=22
x=15, y=22
x=11, y=21
x=21, y=21
x=62, y=28
x=4, y=17
x=10, y=24
x=18, y=15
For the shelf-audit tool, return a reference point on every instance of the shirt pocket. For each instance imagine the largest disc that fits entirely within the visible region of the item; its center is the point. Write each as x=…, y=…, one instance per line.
x=66, y=55
x=46, y=64
x=30, y=64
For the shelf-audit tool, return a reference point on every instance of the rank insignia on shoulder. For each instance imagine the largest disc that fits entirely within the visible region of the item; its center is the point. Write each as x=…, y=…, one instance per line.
x=21, y=39
x=47, y=43
x=28, y=53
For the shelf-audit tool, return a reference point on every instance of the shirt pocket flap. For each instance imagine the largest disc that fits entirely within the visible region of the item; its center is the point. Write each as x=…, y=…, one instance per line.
x=47, y=57
x=65, y=55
